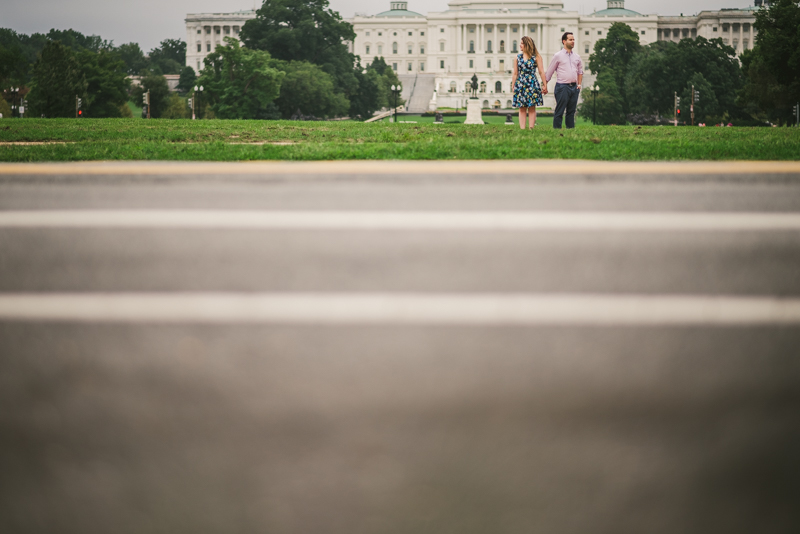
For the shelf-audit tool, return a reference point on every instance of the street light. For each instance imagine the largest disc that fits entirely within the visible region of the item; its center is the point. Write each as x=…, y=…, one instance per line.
x=594, y=89
x=14, y=90
x=396, y=90
x=194, y=100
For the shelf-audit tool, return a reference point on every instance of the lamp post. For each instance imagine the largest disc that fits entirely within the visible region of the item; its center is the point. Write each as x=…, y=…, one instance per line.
x=194, y=100
x=396, y=90
x=14, y=107
x=594, y=89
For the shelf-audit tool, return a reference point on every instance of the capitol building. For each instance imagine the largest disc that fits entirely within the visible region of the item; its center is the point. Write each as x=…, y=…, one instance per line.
x=435, y=55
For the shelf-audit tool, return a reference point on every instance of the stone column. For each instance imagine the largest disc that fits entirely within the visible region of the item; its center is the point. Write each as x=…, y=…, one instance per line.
x=741, y=36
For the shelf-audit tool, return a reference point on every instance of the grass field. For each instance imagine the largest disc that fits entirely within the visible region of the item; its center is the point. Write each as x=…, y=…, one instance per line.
x=218, y=140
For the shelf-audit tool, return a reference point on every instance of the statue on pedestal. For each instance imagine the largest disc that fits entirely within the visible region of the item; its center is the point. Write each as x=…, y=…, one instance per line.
x=474, y=86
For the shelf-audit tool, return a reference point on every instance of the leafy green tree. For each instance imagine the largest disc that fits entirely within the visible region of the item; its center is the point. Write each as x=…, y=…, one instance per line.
x=107, y=83
x=159, y=93
x=614, y=54
x=239, y=82
x=177, y=108
x=773, y=66
x=133, y=57
x=386, y=77
x=309, y=89
x=663, y=68
x=5, y=109
x=707, y=108
x=366, y=100
x=187, y=79
x=77, y=41
x=305, y=30
x=13, y=63
x=57, y=80
x=169, y=58
x=609, y=102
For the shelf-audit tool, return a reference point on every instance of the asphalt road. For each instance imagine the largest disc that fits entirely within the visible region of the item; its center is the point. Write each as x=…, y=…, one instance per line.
x=456, y=410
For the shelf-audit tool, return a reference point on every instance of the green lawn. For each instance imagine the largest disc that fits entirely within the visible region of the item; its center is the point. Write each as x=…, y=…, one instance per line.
x=218, y=140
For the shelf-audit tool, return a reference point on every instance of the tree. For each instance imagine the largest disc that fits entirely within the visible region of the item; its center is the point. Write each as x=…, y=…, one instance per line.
x=614, y=54
x=107, y=84
x=308, y=88
x=366, y=100
x=169, y=58
x=5, y=109
x=239, y=83
x=57, y=80
x=176, y=109
x=13, y=63
x=610, y=109
x=663, y=68
x=133, y=57
x=159, y=93
x=386, y=78
x=187, y=79
x=305, y=30
x=77, y=41
x=707, y=108
x=773, y=66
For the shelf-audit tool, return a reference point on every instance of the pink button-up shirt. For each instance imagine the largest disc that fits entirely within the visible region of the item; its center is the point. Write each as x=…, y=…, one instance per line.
x=566, y=65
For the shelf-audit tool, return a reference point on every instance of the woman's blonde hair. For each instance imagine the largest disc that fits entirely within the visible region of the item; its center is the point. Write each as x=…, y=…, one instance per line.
x=528, y=46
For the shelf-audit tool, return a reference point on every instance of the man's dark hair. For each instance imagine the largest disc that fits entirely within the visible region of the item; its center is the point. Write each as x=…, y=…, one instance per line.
x=564, y=37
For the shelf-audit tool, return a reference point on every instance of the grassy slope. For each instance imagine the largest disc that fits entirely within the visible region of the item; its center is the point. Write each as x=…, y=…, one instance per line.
x=125, y=139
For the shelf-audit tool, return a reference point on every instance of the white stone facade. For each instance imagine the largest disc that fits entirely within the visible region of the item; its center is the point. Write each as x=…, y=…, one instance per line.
x=482, y=37
x=204, y=31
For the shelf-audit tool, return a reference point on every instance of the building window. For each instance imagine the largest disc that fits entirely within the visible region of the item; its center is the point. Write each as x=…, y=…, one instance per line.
x=367, y=49
x=394, y=67
x=599, y=32
x=472, y=30
x=714, y=29
x=513, y=30
x=489, y=29
x=488, y=46
x=421, y=49
x=498, y=87
x=198, y=66
x=467, y=87
x=586, y=48
x=395, y=34
x=453, y=88
x=236, y=30
x=471, y=63
x=514, y=47
x=367, y=34
x=642, y=32
x=199, y=47
x=587, y=32
x=502, y=65
x=502, y=30
x=208, y=47
x=485, y=103
x=380, y=33
x=483, y=87
x=441, y=30
x=394, y=48
x=533, y=29
x=227, y=30
x=441, y=46
x=441, y=63
x=208, y=30
x=422, y=66
x=380, y=50
x=488, y=63
x=410, y=49
x=472, y=46
x=409, y=33
x=422, y=34
x=217, y=30
x=502, y=47
x=410, y=68
x=199, y=31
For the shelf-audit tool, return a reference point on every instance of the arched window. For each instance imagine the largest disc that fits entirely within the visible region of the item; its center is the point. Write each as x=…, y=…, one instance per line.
x=453, y=87
x=485, y=104
x=467, y=87
x=502, y=47
x=472, y=46
x=410, y=49
x=498, y=87
x=488, y=46
x=483, y=87
x=394, y=48
x=508, y=103
x=380, y=50
x=514, y=47
x=496, y=104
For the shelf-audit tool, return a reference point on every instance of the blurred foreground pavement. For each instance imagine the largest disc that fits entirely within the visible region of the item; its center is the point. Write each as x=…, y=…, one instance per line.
x=158, y=416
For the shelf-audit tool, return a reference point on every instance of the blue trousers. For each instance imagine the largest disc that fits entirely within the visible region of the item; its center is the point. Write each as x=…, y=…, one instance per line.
x=566, y=102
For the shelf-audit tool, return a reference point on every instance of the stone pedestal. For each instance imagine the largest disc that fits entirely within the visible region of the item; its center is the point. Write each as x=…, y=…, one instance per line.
x=474, y=112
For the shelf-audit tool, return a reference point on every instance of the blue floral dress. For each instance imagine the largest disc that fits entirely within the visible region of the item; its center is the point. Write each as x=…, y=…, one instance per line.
x=527, y=91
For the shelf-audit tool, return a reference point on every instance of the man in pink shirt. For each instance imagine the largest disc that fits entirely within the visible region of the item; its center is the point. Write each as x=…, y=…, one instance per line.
x=568, y=67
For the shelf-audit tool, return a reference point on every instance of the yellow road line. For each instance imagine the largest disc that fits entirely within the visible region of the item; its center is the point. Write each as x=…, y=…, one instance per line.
x=390, y=167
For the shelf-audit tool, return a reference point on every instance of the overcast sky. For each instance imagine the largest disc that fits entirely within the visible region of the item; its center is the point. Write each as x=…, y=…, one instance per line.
x=147, y=22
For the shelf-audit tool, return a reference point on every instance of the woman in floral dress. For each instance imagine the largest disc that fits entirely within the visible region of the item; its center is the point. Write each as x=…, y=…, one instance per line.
x=527, y=91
